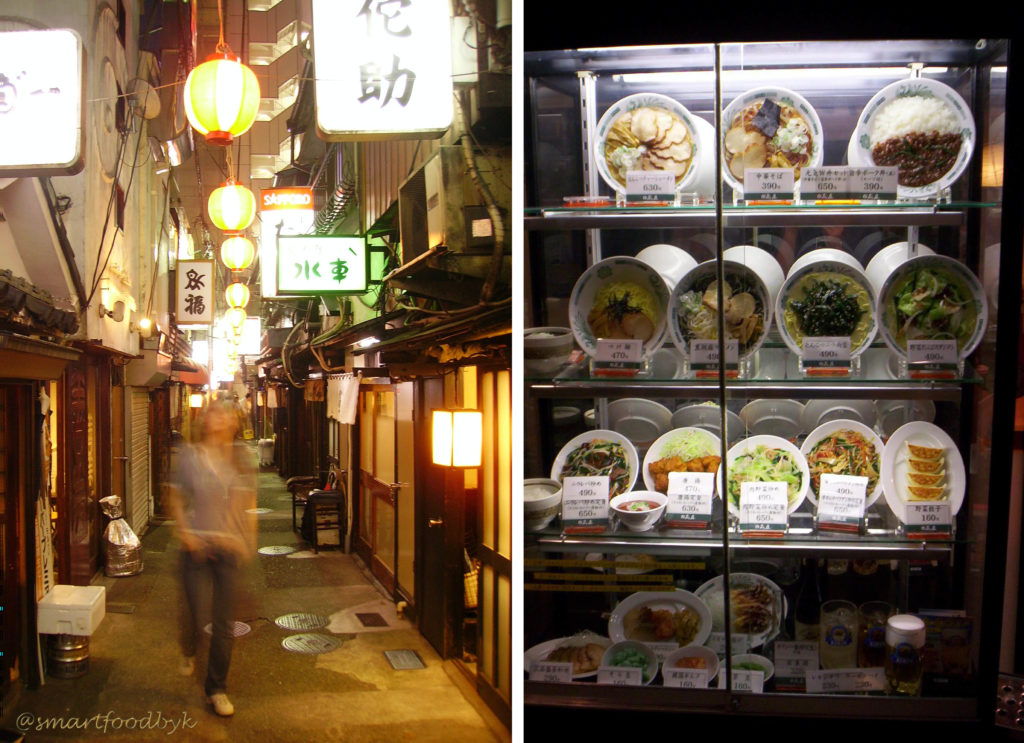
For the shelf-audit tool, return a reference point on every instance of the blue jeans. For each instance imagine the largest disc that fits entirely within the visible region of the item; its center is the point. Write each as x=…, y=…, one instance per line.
x=223, y=569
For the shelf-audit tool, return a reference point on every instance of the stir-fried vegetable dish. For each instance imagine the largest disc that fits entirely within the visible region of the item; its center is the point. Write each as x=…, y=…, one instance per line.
x=599, y=457
x=844, y=452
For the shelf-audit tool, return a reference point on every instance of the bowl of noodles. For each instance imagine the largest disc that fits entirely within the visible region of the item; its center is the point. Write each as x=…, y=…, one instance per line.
x=619, y=298
x=844, y=447
x=769, y=127
x=648, y=132
x=693, y=307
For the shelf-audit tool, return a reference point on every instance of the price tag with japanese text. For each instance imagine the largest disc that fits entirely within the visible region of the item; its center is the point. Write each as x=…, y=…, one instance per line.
x=556, y=673
x=650, y=185
x=845, y=681
x=620, y=675
x=685, y=678
x=689, y=499
x=824, y=183
x=705, y=355
x=740, y=643
x=841, y=502
x=618, y=357
x=929, y=519
x=585, y=504
x=932, y=359
x=874, y=183
x=826, y=353
x=793, y=660
x=768, y=184
x=764, y=508
x=744, y=680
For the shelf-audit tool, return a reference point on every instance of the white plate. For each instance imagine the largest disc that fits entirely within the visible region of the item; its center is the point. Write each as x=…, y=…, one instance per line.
x=668, y=260
x=894, y=465
x=672, y=600
x=711, y=593
x=708, y=416
x=817, y=412
x=888, y=259
x=609, y=271
x=705, y=272
x=763, y=263
x=632, y=459
x=638, y=419
x=666, y=445
x=541, y=650
x=924, y=88
x=886, y=310
x=894, y=413
x=825, y=254
x=772, y=442
x=826, y=267
x=651, y=100
x=779, y=95
x=831, y=427
x=775, y=417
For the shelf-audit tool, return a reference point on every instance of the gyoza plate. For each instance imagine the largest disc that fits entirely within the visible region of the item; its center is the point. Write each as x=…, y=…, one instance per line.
x=894, y=466
x=671, y=600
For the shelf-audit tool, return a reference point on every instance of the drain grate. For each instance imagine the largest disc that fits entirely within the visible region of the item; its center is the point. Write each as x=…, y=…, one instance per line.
x=239, y=629
x=372, y=619
x=404, y=660
x=276, y=549
x=310, y=643
x=301, y=620
x=120, y=608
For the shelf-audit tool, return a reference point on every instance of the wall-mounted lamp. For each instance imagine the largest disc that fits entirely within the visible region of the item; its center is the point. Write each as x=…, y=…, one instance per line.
x=145, y=327
x=116, y=314
x=457, y=438
x=195, y=400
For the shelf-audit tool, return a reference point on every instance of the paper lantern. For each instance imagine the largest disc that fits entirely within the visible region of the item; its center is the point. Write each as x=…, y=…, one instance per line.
x=222, y=98
x=235, y=317
x=457, y=438
x=237, y=252
x=237, y=295
x=232, y=207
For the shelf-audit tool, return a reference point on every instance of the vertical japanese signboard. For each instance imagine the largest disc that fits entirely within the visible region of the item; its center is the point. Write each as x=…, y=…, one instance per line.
x=384, y=68
x=195, y=284
x=322, y=265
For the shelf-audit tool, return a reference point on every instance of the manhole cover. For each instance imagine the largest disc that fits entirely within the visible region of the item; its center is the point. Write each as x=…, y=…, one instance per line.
x=372, y=620
x=300, y=620
x=259, y=510
x=404, y=660
x=239, y=629
x=311, y=643
x=276, y=549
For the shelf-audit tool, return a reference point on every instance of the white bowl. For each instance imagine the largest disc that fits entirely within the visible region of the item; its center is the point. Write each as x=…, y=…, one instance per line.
x=668, y=260
x=892, y=414
x=763, y=263
x=954, y=271
x=650, y=100
x=542, y=500
x=831, y=427
x=704, y=183
x=700, y=276
x=754, y=658
x=649, y=672
x=818, y=412
x=824, y=254
x=638, y=419
x=775, y=417
x=606, y=274
x=924, y=88
x=750, y=444
x=639, y=520
x=707, y=415
x=794, y=285
x=888, y=259
x=613, y=437
x=546, y=349
x=708, y=655
x=779, y=95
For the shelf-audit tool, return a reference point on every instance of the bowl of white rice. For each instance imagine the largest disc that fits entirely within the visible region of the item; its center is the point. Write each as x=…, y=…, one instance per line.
x=921, y=126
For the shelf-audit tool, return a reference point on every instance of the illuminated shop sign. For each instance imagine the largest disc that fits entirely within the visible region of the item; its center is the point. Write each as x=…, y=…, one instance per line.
x=286, y=199
x=41, y=105
x=384, y=68
x=283, y=211
x=195, y=280
x=322, y=265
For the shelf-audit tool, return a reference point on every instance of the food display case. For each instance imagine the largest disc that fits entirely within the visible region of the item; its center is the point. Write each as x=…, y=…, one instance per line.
x=765, y=298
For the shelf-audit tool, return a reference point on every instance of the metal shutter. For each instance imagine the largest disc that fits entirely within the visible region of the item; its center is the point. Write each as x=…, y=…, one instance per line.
x=137, y=505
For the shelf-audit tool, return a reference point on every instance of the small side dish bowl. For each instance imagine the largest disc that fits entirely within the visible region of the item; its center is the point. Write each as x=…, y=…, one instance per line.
x=542, y=500
x=639, y=510
x=692, y=656
x=629, y=649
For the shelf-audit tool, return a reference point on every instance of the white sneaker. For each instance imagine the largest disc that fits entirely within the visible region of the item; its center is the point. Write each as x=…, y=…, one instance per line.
x=188, y=665
x=221, y=704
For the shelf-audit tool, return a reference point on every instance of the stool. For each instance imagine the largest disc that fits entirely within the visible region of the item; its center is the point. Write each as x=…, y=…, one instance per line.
x=323, y=498
x=300, y=486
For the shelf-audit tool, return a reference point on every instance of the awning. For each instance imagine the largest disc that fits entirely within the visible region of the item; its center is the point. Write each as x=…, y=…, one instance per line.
x=22, y=357
x=189, y=371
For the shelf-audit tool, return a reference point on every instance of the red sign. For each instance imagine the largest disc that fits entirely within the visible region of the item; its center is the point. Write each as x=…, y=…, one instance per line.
x=292, y=199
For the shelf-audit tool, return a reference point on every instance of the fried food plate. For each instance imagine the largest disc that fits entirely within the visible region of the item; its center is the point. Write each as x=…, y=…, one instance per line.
x=620, y=623
x=702, y=443
x=762, y=609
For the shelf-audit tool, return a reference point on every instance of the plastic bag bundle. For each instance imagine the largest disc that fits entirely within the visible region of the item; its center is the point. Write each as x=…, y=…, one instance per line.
x=122, y=545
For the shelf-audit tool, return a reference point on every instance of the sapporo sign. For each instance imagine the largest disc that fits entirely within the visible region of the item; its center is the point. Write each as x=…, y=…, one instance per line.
x=309, y=264
x=42, y=112
x=195, y=280
x=384, y=68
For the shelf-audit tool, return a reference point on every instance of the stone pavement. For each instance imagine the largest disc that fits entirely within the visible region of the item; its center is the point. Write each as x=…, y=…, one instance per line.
x=133, y=691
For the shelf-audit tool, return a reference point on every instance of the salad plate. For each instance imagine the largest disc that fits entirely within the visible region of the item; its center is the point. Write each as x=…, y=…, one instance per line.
x=932, y=297
x=599, y=452
x=844, y=447
x=765, y=458
x=688, y=445
x=899, y=466
x=757, y=607
x=677, y=616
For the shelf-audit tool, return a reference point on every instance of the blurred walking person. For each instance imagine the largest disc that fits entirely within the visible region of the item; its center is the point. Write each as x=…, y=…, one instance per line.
x=212, y=495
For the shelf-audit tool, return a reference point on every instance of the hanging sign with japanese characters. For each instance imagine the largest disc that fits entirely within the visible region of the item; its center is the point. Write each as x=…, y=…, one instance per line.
x=321, y=265
x=383, y=68
x=195, y=292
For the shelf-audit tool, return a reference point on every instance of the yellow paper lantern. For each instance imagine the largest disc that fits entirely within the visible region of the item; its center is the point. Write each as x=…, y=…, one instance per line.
x=232, y=207
x=235, y=317
x=237, y=252
x=222, y=98
x=237, y=295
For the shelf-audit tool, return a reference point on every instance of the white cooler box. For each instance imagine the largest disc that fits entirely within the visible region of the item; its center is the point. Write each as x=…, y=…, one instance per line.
x=72, y=610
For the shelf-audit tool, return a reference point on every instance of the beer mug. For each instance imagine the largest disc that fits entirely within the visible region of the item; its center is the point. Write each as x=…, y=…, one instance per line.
x=837, y=643
x=871, y=619
x=904, y=665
